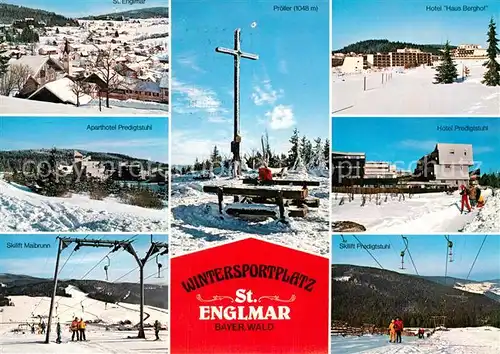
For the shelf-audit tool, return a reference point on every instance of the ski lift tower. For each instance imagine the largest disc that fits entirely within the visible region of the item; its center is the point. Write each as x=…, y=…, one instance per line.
x=237, y=55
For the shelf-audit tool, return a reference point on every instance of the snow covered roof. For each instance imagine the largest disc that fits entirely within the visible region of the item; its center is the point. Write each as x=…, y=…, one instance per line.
x=348, y=153
x=164, y=82
x=35, y=62
x=147, y=86
x=63, y=90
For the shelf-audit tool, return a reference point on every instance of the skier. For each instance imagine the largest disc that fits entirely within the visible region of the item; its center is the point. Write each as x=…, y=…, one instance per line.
x=480, y=202
x=421, y=332
x=465, y=198
x=74, y=329
x=81, y=329
x=32, y=328
x=472, y=195
x=157, y=327
x=43, y=327
x=392, y=332
x=398, y=326
x=58, y=332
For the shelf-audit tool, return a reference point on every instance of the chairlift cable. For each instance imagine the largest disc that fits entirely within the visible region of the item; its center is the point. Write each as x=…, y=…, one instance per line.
x=411, y=259
x=477, y=255
x=367, y=250
x=114, y=281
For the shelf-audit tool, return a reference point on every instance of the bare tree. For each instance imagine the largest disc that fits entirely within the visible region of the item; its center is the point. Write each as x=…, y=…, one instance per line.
x=14, y=79
x=20, y=73
x=105, y=68
x=80, y=88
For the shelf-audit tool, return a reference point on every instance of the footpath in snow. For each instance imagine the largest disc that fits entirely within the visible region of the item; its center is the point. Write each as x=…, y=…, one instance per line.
x=412, y=92
x=197, y=224
x=481, y=340
x=431, y=212
x=25, y=211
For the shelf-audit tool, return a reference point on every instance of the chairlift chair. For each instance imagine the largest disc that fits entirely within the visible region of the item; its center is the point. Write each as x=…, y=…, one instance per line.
x=405, y=240
x=159, y=266
x=106, y=267
x=450, y=246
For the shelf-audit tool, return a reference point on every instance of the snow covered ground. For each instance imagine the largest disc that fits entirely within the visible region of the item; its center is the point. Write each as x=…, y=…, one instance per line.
x=481, y=340
x=11, y=105
x=479, y=288
x=99, y=340
x=197, y=224
x=412, y=92
x=431, y=212
x=25, y=211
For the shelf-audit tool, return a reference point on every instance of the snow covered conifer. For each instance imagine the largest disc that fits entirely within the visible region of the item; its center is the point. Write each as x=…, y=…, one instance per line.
x=446, y=71
x=492, y=74
x=4, y=63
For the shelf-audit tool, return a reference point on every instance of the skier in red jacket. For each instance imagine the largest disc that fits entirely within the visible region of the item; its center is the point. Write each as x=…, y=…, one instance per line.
x=464, y=192
x=398, y=326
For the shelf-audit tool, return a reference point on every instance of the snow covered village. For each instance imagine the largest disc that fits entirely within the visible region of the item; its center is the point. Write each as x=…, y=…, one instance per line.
x=101, y=300
x=426, y=78
x=426, y=185
x=114, y=64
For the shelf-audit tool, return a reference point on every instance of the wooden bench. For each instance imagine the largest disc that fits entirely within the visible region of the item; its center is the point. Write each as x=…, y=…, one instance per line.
x=281, y=182
x=263, y=194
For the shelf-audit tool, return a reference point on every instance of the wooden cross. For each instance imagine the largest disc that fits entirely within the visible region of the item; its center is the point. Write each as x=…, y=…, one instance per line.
x=237, y=54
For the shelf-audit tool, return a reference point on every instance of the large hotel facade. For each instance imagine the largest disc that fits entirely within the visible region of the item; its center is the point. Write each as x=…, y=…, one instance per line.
x=406, y=57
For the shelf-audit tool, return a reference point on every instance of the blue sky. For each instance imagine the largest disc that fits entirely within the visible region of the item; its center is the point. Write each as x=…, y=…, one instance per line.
x=19, y=133
x=84, y=8
x=428, y=252
x=286, y=88
x=41, y=262
x=409, y=21
x=403, y=141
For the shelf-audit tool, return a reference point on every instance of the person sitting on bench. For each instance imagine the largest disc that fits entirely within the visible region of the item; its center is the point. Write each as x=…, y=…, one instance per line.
x=265, y=174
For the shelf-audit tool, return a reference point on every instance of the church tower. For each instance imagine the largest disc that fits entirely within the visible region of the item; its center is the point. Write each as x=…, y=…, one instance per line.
x=68, y=66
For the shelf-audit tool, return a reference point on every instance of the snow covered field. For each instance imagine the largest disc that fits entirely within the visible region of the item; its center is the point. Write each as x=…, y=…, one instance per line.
x=25, y=211
x=197, y=224
x=412, y=92
x=431, y=212
x=11, y=105
x=481, y=340
x=99, y=340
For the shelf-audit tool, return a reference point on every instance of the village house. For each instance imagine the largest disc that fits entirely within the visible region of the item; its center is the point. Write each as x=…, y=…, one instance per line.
x=43, y=69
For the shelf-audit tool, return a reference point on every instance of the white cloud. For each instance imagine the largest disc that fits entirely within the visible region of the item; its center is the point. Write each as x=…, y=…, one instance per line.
x=281, y=117
x=418, y=144
x=265, y=94
x=187, y=145
x=191, y=99
x=189, y=61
